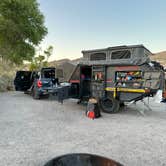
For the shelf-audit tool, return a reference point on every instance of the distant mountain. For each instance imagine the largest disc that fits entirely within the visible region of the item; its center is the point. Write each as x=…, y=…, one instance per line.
x=59, y=62
x=160, y=57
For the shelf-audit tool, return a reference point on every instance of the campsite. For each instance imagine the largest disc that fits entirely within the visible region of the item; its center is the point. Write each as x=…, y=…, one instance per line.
x=82, y=83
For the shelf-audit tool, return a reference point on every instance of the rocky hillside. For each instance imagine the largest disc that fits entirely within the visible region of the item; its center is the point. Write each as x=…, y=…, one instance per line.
x=7, y=74
x=62, y=61
x=160, y=57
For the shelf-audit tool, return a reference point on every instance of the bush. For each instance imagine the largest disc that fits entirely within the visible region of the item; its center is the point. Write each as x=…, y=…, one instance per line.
x=7, y=74
x=6, y=83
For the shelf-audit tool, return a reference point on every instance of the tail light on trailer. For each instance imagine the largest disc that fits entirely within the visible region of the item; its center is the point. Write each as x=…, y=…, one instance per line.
x=39, y=84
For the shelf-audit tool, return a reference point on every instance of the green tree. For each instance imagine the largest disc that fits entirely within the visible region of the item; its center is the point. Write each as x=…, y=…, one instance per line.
x=21, y=29
x=48, y=52
x=41, y=60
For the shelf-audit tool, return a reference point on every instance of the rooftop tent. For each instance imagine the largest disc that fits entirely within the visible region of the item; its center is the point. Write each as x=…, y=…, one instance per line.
x=125, y=55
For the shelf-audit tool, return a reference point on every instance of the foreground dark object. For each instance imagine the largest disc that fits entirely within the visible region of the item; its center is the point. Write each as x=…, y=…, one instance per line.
x=82, y=160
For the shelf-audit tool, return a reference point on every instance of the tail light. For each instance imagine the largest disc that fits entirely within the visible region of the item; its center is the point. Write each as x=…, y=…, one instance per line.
x=39, y=84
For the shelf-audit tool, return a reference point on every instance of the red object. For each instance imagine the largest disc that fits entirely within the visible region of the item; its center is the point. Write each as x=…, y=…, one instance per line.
x=109, y=80
x=74, y=81
x=91, y=114
x=127, y=68
x=39, y=84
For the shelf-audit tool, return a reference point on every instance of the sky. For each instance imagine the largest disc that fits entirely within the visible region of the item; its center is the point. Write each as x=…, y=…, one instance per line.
x=76, y=25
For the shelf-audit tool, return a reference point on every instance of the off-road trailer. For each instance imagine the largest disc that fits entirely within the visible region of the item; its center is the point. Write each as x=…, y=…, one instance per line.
x=116, y=75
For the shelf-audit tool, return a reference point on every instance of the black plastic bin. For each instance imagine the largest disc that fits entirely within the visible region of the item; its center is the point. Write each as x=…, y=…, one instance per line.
x=60, y=93
x=80, y=159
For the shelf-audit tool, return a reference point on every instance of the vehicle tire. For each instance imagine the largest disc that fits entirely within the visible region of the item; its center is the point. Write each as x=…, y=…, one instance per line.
x=109, y=105
x=35, y=94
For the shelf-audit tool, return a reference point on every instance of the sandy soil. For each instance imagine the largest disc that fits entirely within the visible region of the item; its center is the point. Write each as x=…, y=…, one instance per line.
x=34, y=131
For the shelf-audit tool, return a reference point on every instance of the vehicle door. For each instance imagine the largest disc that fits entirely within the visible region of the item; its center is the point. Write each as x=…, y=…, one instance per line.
x=74, y=90
x=22, y=80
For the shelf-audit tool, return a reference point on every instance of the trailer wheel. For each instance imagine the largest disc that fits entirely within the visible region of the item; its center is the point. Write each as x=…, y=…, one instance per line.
x=109, y=105
x=35, y=95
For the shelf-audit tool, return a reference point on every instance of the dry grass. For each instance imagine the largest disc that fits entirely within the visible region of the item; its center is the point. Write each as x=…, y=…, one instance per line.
x=7, y=74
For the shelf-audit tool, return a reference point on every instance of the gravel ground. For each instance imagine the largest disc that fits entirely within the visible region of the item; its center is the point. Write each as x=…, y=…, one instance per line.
x=34, y=131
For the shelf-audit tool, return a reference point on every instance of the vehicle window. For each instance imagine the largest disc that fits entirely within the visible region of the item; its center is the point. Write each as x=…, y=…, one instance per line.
x=125, y=54
x=98, y=56
x=98, y=73
x=49, y=74
x=23, y=75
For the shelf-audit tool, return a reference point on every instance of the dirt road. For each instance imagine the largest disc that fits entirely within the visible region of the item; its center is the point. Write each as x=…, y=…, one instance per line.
x=34, y=131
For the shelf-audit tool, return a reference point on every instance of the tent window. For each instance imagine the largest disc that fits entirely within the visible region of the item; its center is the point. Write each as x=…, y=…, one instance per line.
x=126, y=54
x=98, y=56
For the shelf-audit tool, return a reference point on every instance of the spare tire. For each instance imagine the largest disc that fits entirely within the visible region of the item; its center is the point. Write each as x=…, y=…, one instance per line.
x=109, y=105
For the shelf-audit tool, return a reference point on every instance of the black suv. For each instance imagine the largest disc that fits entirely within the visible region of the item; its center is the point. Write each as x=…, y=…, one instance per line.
x=37, y=83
